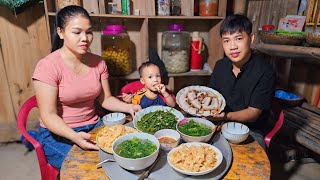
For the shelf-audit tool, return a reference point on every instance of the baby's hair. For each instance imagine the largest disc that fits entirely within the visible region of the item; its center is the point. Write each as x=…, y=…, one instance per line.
x=144, y=65
x=236, y=23
x=62, y=18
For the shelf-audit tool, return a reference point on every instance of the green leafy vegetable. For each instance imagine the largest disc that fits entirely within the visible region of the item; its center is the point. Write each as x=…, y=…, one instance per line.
x=154, y=121
x=135, y=148
x=192, y=128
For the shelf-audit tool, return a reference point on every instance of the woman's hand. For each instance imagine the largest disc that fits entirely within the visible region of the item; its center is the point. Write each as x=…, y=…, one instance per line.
x=82, y=139
x=126, y=97
x=134, y=108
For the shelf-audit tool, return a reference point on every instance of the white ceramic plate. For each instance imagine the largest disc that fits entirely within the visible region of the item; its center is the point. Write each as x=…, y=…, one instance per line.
x=137, y=117
x=219, y=158
x=199, y=88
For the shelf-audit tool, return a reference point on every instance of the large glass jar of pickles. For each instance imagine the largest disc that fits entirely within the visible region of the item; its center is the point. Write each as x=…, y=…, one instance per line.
x=115, y=45
x=176, y=49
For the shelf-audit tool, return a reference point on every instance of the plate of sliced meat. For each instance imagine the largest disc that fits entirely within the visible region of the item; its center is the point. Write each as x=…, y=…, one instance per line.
x=200, y=101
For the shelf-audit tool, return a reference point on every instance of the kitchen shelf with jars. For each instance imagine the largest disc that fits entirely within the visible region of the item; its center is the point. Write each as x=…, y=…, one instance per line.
x=144, y=24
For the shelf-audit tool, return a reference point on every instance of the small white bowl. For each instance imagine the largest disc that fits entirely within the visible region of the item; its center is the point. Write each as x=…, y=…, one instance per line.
x=205, y=122
x=219, y=158
x=114, y=119
x=235, y=132
x=139, y=163
x=168, y=133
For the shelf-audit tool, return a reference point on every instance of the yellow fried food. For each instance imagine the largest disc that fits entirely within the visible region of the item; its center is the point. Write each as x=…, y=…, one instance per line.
x=193, y=158
x=109, y=134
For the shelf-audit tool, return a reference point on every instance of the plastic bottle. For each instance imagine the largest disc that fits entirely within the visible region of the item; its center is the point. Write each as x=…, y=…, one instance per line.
x=196, y=48
x=115, y=45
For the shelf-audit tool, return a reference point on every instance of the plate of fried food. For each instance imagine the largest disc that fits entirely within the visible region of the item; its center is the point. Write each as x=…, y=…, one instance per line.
x=107, y=135
x=200, y=101
x=195, y=158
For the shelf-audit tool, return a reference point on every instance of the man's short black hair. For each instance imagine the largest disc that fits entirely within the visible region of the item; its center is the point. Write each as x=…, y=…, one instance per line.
x=236, y=23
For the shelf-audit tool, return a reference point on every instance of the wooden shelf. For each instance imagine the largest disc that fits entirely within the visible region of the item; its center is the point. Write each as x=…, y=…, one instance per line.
x=288, y=51
x=151, y=17
x=135, y=75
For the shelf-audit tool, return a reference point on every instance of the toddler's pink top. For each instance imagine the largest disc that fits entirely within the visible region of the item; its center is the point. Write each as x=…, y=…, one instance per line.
x=76, y=93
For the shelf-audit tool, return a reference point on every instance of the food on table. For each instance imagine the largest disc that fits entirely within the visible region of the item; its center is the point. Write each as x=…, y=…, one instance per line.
x=135, y=148
x=159, y=119
x=166, y=140
x=109, y=134
x=200, y=102
x=193, y=158
x=192, y=128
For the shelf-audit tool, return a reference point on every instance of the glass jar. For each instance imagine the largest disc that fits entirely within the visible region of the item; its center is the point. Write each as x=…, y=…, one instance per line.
x=163, y=7
x=175, y=49
x=63, y=3
x=115, y=45
x=175, y=8
x=208, y=7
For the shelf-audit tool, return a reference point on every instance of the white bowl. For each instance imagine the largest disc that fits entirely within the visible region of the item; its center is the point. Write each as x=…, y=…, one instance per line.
x=114, y=119
x=219, y=158
x=168, y=133
x=139, y=163
x=235, y=132
x=137, y=117
x=205, y=122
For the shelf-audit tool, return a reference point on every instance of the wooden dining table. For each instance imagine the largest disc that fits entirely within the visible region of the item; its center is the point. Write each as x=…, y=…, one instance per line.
x=249, y=162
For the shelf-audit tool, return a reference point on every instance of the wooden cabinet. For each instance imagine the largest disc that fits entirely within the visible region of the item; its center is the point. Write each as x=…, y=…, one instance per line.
x=145, y=30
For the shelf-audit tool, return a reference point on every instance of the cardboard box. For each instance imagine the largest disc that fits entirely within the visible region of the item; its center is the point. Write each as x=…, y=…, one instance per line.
x=292, y=23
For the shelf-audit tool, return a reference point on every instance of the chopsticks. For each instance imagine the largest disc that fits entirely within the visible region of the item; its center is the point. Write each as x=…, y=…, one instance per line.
x=146, y=173
x=218, y=129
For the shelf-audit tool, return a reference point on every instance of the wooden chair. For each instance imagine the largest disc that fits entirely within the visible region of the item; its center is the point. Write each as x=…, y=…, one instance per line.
x=48, y=172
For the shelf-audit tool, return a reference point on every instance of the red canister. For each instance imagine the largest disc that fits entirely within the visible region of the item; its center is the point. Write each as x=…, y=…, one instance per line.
x=196, y=48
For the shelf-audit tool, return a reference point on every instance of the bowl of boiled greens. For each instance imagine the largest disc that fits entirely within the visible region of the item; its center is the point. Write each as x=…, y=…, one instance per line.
x=195, y=129
x=155, y=118
x=136, y=151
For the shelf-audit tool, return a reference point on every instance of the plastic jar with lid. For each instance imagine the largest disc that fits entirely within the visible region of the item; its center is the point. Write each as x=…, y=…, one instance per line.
x=176, y=49
x=63, y=3
x=208, y=7
x=115, y=45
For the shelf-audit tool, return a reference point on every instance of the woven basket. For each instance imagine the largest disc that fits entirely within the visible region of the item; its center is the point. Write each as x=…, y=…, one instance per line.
x=313, y=39
x=272, y=38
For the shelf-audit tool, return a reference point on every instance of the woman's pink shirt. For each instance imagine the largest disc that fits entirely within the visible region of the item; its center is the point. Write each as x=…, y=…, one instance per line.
x=76, y=93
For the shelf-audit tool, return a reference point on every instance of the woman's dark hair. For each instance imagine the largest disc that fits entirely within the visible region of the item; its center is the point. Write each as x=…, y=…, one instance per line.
x=236, y=23
x=144, y=65
x=62, y=18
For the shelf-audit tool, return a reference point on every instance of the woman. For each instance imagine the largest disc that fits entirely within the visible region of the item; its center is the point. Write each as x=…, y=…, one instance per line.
x=67, y=82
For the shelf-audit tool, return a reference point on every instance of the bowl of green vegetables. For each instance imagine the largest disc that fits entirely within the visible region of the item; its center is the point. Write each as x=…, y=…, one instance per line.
x=155, y=118
x=135, y=151
x=195, y=129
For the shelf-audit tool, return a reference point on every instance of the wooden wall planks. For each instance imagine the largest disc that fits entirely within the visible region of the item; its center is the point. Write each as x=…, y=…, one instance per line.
x=24, y=42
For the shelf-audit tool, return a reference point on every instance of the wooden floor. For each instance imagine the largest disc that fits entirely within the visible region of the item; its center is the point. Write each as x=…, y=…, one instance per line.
x=15, y=165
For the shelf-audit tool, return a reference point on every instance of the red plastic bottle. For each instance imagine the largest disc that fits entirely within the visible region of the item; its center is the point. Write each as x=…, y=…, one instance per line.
x=196, y=48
